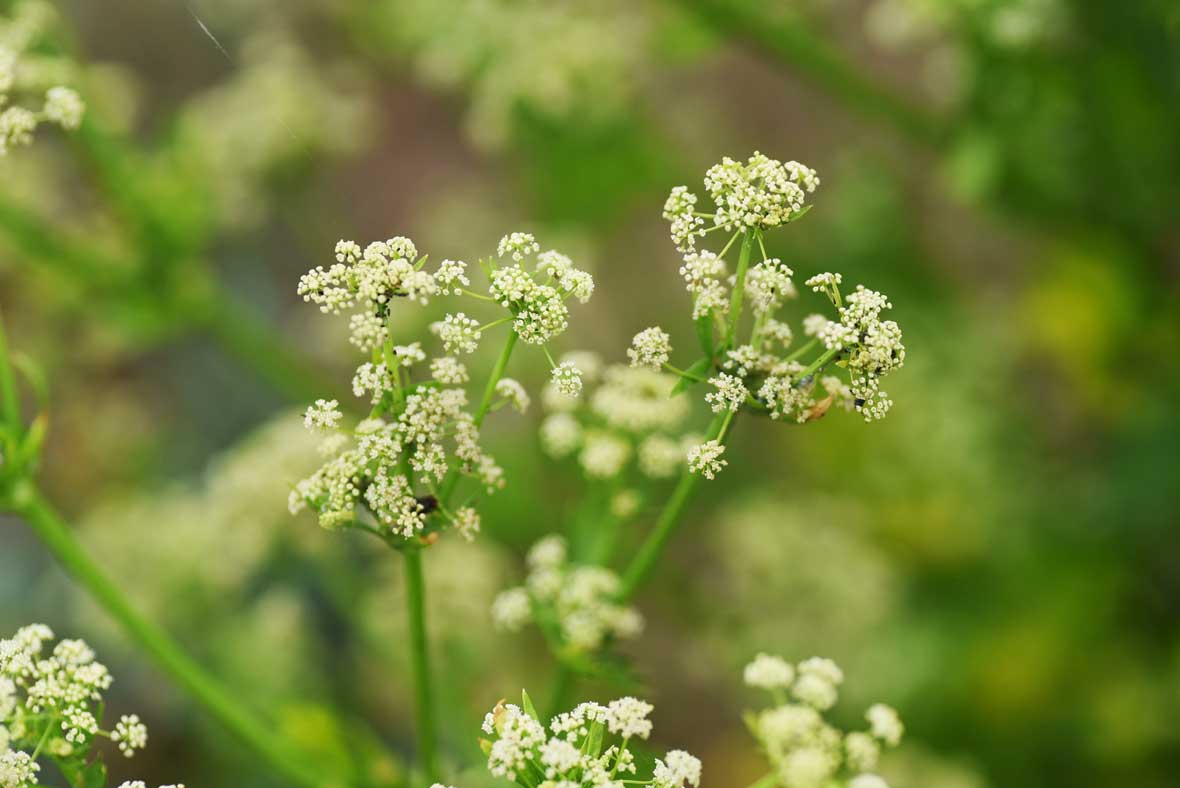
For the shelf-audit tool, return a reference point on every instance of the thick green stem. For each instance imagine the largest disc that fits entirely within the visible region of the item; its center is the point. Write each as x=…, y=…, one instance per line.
x=739, y=285
x=649, y=552
x=420, y=659
x=223, y=705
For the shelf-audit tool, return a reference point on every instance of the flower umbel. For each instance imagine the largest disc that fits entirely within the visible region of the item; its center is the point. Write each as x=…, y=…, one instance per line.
x=587, y=746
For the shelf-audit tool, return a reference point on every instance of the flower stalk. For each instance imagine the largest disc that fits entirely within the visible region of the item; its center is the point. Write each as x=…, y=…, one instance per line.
x=420, y=663
x=670, y=516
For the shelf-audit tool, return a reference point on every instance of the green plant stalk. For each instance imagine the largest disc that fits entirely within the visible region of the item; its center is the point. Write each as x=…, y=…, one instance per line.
x=788, y=42
x=739, y=285
x=420, y=659
x=766, y=781
x=220, y=703
x=489, y=392
x=820, y=363
x=9, y=403
x=649, y=552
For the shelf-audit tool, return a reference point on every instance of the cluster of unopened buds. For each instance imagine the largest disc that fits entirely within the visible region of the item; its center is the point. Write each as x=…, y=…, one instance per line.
x=574, y=605
x=396, y=468
x=19, y=75
x=587, y=746
x=752, y=359
x=51, y=706
x=804, y=750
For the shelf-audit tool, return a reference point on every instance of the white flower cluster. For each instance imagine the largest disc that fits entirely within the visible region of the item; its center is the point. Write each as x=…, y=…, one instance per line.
x=763, y=373
x=650, y=348
x=630, y=415
x=572, y=69
x=369, y=278
x=419, y=433
x=804, y=749
x=537, y=305
x=580, y=599
x=427, y=430
x=61, y=106
x=50, y=705
x=869, y=348
x=759, y=194
x=576, y=749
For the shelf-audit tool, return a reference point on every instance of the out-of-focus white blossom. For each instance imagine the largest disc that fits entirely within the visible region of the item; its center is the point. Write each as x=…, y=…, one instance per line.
x=581, y=599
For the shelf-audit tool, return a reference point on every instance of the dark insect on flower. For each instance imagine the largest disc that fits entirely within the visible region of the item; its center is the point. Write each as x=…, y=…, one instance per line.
x=858, y=402
x=428, y=503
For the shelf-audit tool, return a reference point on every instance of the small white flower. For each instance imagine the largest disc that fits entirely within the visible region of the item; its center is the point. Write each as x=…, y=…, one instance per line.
x=130, y=734
x=449, y=371
x=511, y=390
x=561, y=434
x=323, y=416
x=467, y=522
x=64, y=107
x=705, y=459
x=518, y=245
x=886, y=724
x=512, y=610
x=769, y=672
x=676, y=770
x=627, y=717
x=731, y=393
x=861, y=750
x=458, y=332
x=650, y=348
x=567, y=378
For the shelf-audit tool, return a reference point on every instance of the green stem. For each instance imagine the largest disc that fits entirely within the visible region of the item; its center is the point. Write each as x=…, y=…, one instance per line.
x=420, y=659
x=223, y=705
x=489, y=392
x=787, y=40
x=802, y=351
x=9, y=402
x=645, y=558
x=739, y=285
x=819, y=363
x=682, y=373
x=765, y=781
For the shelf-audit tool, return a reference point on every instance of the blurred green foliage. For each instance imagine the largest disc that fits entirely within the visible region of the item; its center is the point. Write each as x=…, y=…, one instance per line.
x=999, y=559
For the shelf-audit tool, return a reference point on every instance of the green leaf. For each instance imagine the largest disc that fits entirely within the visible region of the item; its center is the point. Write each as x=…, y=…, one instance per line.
x=95, y=775
x=705, y=333
x=699, y=369
x=594, y=739
x=35, y=375
x=526, y=703
x=796, y=215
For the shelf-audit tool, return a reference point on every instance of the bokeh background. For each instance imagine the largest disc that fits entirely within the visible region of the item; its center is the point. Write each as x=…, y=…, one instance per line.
x=999, y=559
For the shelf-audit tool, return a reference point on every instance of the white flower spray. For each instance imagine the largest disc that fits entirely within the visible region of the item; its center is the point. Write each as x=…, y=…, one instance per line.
x=51, y=707
x=394, y=473
x=804, y=750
